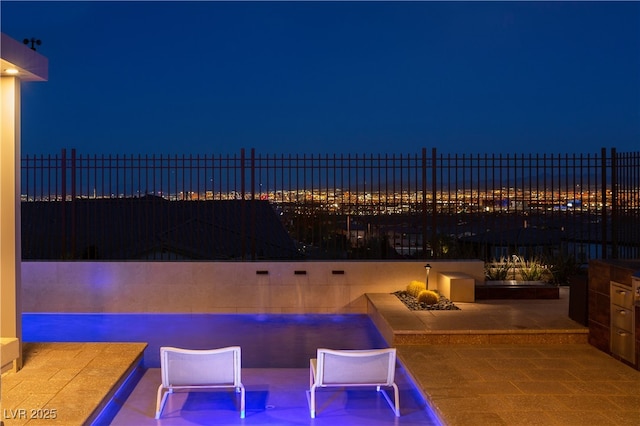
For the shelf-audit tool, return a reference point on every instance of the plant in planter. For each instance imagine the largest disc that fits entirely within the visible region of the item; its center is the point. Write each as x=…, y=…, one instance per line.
x=416, y=297
x=517, y=278
x=498, y=270
x=562, y=268
x=428, y=297
x=531, y=270
x=415, y=287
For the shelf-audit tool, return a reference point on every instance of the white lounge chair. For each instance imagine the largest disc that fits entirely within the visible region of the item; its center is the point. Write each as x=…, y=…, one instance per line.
x=345, y=368
x=186, y=369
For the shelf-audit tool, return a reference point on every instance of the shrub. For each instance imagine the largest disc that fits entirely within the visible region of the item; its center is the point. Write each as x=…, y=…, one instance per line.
x=563, y=267
x=498, y=270
x=531, y=270
x=415, y=287
x=428, y=297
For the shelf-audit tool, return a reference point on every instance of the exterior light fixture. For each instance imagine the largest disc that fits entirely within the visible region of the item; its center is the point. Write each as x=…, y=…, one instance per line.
x=427, y=268
x=11, y=71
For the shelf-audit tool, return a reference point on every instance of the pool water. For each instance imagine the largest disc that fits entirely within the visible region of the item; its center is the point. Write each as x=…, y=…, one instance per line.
x=267, y=341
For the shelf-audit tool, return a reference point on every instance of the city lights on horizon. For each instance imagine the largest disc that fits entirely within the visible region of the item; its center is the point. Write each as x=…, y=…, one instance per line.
x=377, y=203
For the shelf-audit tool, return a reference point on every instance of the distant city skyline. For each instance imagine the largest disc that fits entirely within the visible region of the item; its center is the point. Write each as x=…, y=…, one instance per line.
x=331, y=77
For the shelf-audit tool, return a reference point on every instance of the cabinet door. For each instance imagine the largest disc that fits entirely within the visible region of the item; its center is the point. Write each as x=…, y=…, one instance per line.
x=622, y=344
x=622, y=318
x=621, y=295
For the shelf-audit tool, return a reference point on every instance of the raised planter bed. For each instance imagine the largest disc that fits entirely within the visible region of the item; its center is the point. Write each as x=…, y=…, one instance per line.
x=510, y=289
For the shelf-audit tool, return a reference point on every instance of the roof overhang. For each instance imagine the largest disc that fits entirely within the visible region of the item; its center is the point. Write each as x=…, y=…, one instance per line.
x=28, y=65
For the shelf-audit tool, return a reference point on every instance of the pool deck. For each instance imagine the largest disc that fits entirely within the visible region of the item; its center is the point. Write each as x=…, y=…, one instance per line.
x=509, y=362
x=67, y=383
x=494, y=362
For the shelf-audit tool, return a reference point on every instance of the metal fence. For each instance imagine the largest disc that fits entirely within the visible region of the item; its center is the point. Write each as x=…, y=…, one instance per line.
x=332, y=206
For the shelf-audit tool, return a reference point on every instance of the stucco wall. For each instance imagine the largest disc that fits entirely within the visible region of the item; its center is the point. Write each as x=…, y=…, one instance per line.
x=221, y=287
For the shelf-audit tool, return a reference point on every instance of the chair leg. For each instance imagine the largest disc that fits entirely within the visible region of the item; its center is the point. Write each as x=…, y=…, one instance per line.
x=242, y=402
x=395, y=406
x=312, y=403
x=397, y=399
x=312, y=390
x=161, y=400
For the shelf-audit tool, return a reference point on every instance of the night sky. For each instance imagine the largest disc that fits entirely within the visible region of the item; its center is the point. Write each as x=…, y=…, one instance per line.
x=331, y=77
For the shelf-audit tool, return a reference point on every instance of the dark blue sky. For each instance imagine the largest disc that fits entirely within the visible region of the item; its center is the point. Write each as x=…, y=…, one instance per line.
x=331, y=77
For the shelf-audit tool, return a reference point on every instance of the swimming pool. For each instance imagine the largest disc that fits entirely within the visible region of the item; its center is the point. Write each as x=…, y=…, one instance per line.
x=267, y=341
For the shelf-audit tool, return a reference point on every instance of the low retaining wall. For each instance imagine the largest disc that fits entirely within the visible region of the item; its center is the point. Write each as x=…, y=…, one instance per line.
x=221, y=287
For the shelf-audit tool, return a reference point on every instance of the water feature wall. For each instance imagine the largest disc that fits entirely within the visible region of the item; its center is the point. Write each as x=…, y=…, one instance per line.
x=222, y=287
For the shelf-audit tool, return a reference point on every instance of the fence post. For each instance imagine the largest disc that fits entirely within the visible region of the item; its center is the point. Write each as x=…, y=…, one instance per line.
x=434, y=187
x=253, y=204
x=73, y=203
x=603, y=211
x=424, y=203
x=243, y=243
x=63, y=204
x=614, y=204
